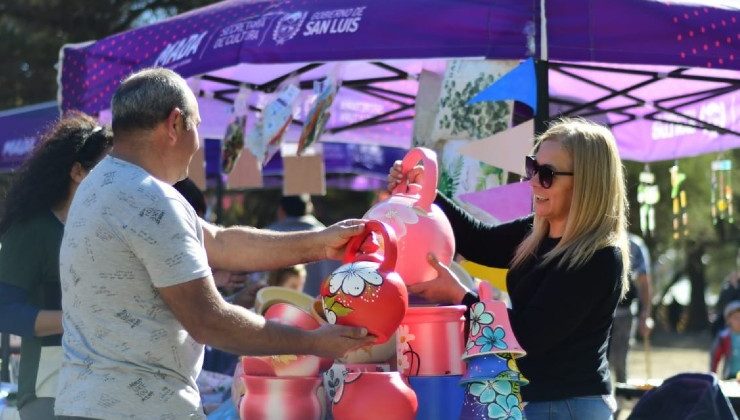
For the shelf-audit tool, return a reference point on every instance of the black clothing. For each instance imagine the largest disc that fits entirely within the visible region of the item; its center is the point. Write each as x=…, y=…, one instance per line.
x=560, y=317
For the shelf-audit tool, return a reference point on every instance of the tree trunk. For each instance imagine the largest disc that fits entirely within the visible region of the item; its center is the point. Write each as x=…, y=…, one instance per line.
x=698, y=319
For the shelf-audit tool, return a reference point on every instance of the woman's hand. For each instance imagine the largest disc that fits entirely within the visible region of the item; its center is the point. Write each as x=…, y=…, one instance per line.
x=446, y=288
x=396, y=176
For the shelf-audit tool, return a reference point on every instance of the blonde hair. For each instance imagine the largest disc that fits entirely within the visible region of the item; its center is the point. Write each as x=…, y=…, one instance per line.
x=598, y=210
x=279, y=276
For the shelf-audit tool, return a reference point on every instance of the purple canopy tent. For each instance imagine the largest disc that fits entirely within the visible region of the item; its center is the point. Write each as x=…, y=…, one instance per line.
x=20, y=129
x=679, y=63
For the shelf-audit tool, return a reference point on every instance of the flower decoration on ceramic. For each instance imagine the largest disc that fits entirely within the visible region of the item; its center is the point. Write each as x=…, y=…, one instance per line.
x=420, y=225
x=491, y=399
x=491, y=337
x=492, y=367
x=365, y=293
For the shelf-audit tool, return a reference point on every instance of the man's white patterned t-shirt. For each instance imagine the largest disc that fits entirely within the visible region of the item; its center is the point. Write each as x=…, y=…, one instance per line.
x=125, y=354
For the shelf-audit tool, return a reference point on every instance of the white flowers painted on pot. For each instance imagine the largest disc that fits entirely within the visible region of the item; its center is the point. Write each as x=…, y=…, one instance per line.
x=395, y=215
x=351, y=278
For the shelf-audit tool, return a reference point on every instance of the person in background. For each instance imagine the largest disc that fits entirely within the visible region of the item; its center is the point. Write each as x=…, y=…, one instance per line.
x=291, y=277
x=138, y=295
x=32, y=225
x=726, y=346
x=568, y=266
x=624, y=319
x=730, y=291
x=295, y=213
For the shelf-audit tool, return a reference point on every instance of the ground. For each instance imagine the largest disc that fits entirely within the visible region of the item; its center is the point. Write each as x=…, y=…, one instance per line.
x=669, y=354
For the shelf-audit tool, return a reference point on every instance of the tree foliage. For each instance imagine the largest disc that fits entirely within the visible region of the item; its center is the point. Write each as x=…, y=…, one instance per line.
x=33, y=31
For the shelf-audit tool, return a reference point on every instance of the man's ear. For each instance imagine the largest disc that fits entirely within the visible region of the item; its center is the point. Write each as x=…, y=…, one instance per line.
x=77, y=173
x=172, y=122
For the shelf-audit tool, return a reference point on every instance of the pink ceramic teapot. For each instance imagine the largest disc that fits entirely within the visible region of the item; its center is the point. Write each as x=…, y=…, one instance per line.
x=420, y=225
x=364, y=292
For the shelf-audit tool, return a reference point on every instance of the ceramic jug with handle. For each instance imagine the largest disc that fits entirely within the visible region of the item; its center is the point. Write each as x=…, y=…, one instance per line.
x=373, y=396
x=420, y=225
x=366, y=293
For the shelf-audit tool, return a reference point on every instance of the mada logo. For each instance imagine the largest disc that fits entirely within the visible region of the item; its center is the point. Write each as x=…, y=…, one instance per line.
x=288, y=26
x=180, y=50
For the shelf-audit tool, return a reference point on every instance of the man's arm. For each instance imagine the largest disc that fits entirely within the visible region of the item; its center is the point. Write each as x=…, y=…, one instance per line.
x=210, y=320
x=241, y=248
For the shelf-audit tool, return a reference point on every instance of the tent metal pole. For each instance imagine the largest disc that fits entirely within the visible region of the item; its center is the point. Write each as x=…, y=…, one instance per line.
x=543, y=96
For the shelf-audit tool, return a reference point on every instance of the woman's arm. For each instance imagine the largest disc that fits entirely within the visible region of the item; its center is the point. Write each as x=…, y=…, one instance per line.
x=19, y=318
x=483, y=243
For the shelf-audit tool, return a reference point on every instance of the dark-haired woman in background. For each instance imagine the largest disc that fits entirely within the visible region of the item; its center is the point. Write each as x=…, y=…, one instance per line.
x=31, y=230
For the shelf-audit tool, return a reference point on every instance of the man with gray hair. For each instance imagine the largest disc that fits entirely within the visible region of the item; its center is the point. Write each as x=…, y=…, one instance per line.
x=138, y=297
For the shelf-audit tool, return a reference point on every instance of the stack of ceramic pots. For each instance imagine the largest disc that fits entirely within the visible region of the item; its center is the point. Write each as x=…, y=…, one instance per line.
x=367, y=292
x=282, y=387
x=492, y=381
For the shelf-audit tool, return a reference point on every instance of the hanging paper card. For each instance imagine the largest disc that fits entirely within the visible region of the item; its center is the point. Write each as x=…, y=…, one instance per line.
x=426, y=108
x=233, y=142
x=504, y=203
x=302, y=174
x=265, y=137
x=247, y=173
x=324, y=93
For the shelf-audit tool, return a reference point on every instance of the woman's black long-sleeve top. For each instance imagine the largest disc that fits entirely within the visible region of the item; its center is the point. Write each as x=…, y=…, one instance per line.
x=561, y=317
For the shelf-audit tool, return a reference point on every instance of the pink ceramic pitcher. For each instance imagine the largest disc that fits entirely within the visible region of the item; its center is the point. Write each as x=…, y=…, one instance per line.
x=420, y=225
x=374, y=396
x=366, y=293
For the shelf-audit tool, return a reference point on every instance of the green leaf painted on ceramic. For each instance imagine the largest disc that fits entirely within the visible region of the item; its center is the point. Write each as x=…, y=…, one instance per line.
x=340, y=309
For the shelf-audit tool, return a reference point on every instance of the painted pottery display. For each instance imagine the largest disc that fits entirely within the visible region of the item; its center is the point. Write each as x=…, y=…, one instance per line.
x=365, y=293
x=430, y=341
x=269, y=398
x=237, y=386
x=492, y=400
x=374, y=396
x=440, y=397
x=494, y=367
x=288, y=314
x=420, y=225
x=490, y=331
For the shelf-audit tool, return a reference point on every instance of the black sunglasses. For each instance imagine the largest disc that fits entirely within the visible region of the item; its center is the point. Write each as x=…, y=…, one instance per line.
x=546, y=173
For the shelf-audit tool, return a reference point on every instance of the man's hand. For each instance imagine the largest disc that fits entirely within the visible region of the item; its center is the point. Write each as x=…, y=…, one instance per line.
x=335, y=237
x=335, y=341
x=445, y=289
x=396, y=176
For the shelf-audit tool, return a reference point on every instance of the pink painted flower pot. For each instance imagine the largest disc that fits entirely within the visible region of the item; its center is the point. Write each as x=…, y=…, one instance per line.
x=430, y=341
x=365, y=293
x=420, y=225
x=490, y=331
x=269, y=398
x=374, y=396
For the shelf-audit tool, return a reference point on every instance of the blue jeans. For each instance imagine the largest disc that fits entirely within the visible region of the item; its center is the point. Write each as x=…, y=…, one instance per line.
x=578, y=408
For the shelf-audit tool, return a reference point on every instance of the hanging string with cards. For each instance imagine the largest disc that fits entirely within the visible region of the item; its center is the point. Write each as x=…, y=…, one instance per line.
x=722, y=191
x=648, y=196
x=678, y=197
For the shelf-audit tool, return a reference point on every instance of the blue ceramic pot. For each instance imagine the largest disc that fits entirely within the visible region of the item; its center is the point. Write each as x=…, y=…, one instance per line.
x=440, y=397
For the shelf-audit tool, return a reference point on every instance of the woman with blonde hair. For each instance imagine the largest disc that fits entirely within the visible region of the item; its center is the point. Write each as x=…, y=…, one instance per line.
x=567, y=267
